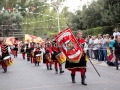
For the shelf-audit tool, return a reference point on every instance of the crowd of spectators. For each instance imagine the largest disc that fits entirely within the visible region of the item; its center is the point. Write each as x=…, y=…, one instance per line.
x=103, y=47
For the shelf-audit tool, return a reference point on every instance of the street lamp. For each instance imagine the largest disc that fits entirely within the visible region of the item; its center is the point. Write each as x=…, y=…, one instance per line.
x=58, y=18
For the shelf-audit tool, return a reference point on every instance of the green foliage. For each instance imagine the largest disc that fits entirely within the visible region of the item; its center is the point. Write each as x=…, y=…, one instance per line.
x=9, y=22
x=98, y=30
x=38, y=21
x=51, y=35
x=98, y=13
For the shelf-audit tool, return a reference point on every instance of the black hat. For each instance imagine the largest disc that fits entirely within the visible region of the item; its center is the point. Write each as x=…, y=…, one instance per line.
x=16, y=38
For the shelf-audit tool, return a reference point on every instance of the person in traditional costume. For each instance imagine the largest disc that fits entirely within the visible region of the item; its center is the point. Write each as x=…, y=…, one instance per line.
x=56, y=52
x=79, y=66
x=23, y=50
x=37, y=56
x=4, y=52
x=32, y=46
x=73, y=49
x=47, y=55
x=28, y=51
x=15, y=47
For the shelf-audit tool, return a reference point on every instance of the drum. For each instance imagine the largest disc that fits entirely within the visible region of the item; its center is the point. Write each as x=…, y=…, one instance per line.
x=8, y=61
x=61, y=58
x=48, y=57
x=38, y=58
x=32, y=53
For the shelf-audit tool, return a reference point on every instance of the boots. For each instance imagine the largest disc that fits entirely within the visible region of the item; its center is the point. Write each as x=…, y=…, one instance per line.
x=47, y=67
x=73, y=78
x=116, y=67
x=5, y=70
x=61, y=71
x=23, y=57
x=28, y=59
x=83, y=80
x=31, y=61
x=38, y=63
x=56, y=70
x=50, y=67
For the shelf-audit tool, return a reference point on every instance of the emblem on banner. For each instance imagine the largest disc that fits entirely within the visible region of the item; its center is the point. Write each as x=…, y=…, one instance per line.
x=69, y=45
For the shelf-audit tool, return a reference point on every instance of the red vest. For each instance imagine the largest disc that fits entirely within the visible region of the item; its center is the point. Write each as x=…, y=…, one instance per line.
x=81, y=41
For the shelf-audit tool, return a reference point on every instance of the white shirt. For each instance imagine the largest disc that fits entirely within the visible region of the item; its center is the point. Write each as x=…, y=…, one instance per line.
x=96, y=41
x=90, y=42
x=116, y=33
x=86, y=47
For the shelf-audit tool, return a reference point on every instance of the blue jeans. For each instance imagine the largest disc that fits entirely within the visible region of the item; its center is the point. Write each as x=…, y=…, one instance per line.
x=105, y=55
x=102, y=54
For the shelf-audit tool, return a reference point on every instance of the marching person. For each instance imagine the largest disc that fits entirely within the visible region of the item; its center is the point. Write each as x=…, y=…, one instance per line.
x=81, y=65
x=28, y=51
x=37, y=56
x=15, y=50
x=16, y=47
x=23, y=50
x=47, y=55
x=32, y=46
x=56, y=51
x=4, y=52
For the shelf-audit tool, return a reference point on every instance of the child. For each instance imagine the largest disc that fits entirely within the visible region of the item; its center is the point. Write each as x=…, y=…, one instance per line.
x=110, y=56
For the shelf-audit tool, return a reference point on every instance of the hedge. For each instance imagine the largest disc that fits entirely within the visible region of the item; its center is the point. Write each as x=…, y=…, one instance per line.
x=98, y=30
x=92, y=31
x=51, y=35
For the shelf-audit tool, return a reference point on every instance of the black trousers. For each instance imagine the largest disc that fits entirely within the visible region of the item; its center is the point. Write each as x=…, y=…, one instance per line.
x=96, y=54
x=116, y=60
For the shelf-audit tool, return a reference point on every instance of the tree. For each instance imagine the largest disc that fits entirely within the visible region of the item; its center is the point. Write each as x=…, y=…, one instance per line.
x=9, y=22
x=98, y=13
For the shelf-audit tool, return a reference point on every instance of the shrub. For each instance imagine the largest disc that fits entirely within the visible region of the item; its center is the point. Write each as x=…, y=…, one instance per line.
x=98, y=30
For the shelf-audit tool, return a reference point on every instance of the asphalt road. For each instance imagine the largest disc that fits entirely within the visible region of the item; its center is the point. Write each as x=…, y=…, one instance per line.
x=26, y=76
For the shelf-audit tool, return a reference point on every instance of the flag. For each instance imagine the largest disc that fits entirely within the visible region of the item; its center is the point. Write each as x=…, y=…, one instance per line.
x=9, y=9
x=69, y=46
x=3, y=9
x=38, y=40
x=13, y=9
x=31, y=38
x=33, y=8
x=56, y=3
x=20, y=7
x=27, y=10
x=10, y=40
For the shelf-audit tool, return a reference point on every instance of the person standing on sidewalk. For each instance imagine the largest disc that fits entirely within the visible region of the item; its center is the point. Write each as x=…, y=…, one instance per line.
x=116, y=32
x=116, y=50
x=90, y=42
x=95, y=48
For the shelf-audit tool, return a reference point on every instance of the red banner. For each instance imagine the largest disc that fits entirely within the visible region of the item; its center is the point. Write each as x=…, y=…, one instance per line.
x=69, y=46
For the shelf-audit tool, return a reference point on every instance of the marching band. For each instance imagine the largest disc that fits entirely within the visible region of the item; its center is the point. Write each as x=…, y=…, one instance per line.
x=63, y=49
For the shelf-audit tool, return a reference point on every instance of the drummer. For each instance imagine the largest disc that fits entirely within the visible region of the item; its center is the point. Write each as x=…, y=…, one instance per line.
x=48, y=52
x=32, y=47
x=23, y=50
x=37, y=52
x=56, y=51
x=16, y=47
x=4, y=52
